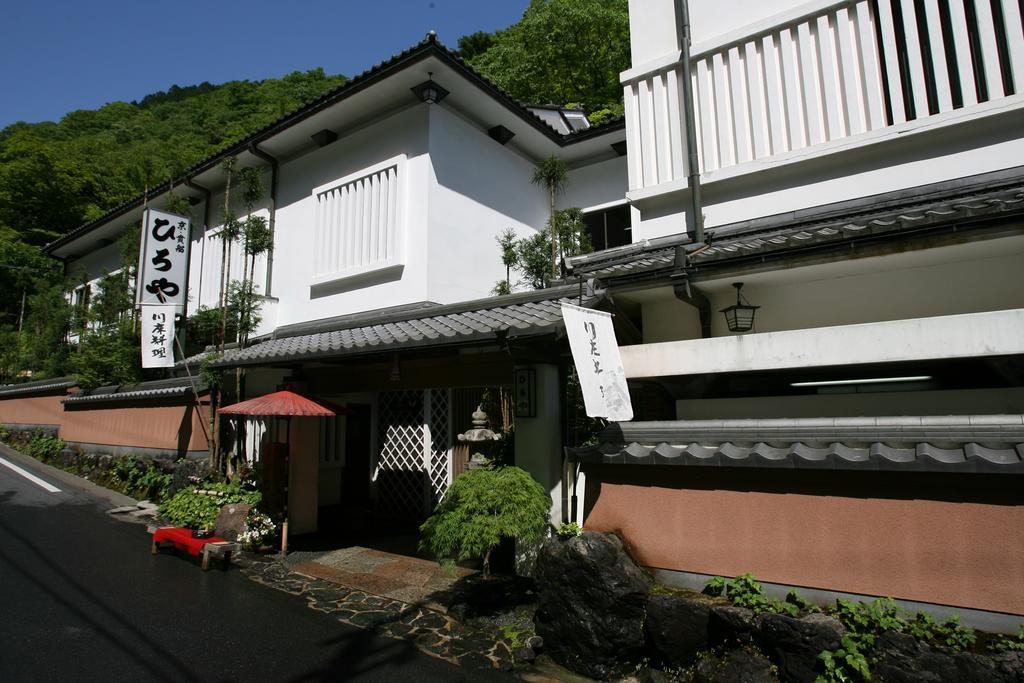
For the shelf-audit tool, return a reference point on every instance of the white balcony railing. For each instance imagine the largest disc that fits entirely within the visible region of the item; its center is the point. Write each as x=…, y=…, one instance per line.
x=844, y=69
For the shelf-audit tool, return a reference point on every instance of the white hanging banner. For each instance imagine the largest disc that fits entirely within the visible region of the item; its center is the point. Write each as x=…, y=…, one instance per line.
x=158, y=336
x=163, y=259
x=598, y=364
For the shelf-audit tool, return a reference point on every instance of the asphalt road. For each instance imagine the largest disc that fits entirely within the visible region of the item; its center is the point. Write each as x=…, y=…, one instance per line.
x=82, y=599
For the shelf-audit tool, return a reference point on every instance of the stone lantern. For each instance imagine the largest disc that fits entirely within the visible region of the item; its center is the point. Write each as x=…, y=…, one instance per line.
x=479, y=434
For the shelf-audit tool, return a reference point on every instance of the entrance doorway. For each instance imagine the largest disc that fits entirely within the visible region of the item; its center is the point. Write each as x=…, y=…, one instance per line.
x=356, y=476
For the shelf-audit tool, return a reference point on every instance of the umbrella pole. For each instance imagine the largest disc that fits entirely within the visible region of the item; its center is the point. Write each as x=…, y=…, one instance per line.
x=287, y=483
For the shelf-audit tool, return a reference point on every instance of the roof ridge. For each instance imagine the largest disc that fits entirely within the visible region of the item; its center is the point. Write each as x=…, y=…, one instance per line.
x=429, y=45
x=441, y=311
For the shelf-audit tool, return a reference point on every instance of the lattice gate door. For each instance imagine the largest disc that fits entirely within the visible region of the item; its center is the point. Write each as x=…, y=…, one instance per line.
x=414, y=459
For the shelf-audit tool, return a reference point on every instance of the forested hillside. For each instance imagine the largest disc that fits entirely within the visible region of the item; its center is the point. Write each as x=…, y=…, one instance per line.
x=55, y=176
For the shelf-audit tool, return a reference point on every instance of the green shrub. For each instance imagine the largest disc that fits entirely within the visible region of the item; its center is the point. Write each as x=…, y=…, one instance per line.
x=140, y=480
x=846, y=664
x=482, y=507
x=1006, y=643
x=949, y=633
x=745, y=591
x=44, y=447
x=568, y=530
x=4, y=433
x=198, y=506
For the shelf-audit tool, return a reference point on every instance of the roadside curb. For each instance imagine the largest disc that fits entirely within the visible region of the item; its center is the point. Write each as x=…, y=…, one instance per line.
x=67, y=478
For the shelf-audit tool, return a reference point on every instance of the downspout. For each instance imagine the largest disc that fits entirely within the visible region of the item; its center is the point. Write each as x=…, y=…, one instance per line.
x=256, y=151
x=693, y=164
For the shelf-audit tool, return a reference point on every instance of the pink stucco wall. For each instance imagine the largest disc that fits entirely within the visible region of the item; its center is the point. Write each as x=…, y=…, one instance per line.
x=165, y=427
x=953, y=539
x=32, y=410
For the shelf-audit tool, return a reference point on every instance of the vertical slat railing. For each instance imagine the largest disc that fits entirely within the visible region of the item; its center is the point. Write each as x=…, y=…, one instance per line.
x=849, y=69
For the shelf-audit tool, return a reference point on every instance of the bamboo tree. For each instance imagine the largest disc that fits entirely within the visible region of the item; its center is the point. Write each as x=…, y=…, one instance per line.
x=551, y=174
x=228, y=234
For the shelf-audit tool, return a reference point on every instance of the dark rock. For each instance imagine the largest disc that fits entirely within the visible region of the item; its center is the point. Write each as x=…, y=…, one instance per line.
x=1009, y=666
x=523, y=654
x=743, y=665
x=591, y=601
x=794, y=644
x=231, y=521
x=535, y=642
x=904, y=659
x=649, y=675
x=677, y=627
x=730, y=625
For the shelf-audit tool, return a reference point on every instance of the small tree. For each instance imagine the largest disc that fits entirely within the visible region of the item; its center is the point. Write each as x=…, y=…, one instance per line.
x=482, y=507
x=551, y=174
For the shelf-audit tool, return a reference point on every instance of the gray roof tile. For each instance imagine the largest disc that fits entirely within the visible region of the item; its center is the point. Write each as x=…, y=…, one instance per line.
x=158, y=389
x=806, y=444
x=40, y=386
x=530, y=313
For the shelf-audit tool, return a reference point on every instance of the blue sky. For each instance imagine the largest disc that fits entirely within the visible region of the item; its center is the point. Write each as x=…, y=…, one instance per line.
x=60, y=56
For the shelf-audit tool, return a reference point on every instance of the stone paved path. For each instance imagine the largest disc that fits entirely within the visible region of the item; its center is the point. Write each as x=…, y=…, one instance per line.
x=432, y=632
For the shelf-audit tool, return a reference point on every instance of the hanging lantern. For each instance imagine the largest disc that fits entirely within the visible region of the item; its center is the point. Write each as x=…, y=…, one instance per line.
x=740, y=316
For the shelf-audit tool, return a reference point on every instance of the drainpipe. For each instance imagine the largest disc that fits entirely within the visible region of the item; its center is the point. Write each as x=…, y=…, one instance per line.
x=256, y=151
x=683, y=35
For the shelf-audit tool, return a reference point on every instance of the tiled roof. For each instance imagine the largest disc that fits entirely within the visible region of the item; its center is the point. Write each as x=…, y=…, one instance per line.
x=164, y=388
x=986, y=196
x=971, y=443
x=524, y=314
x=42, y=386
x=425, y=48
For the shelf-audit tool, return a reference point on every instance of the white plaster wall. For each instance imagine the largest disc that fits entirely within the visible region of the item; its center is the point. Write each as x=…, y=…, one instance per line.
x=595, y=184
x=993, y=333
x=884, y=289
x=538, y=444
x=964, y=402
x=940, y=281
x=652, y=32
x=712, y=18
x=756, y=189
x=652, y=23
x=402, y=133
x=669, y=319
x=92, y=266
x=478, y=188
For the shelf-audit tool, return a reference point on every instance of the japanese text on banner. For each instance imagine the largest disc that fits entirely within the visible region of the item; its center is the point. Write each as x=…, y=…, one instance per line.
x=158, y=336
x=163, y=259
x=595, y=353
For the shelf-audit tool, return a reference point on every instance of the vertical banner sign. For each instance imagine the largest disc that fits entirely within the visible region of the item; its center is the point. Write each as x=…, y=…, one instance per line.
x=158, y=336
x=598, y=364
x=163, y=259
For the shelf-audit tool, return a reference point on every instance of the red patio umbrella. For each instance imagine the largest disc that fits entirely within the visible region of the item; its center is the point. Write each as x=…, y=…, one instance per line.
x=286, y=404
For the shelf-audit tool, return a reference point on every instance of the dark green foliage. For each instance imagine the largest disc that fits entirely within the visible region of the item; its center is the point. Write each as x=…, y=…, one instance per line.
x=568, y=530
x=745, y=591
x=533, y=256
x=1007, y=643
x=475, y=44
x=482, y=507
x=846, y=664
x=139, y=479
x=198, y=506
x=561, y=51
x=44, y=447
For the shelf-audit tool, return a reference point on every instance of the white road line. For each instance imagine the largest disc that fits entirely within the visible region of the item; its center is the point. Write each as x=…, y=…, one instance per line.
x=31, y=477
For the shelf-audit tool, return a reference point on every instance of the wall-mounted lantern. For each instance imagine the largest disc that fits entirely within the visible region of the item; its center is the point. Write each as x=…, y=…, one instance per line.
x=740, y=316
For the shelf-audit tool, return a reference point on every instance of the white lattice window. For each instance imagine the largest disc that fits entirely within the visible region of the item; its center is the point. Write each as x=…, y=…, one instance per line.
x=359, y=223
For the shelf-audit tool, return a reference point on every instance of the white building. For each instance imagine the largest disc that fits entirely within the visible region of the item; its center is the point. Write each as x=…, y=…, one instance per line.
x=859, y=171
x=386, y=197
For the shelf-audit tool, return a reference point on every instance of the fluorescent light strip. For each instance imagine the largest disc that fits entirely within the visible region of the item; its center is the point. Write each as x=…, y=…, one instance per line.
x=873, y=380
